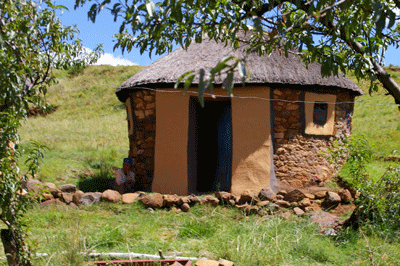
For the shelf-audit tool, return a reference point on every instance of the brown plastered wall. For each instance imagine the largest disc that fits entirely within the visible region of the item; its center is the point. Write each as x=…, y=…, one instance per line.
x=310, y=127
x=170, y=171
x=251, y=130
x=297, y=156
x=141, y=109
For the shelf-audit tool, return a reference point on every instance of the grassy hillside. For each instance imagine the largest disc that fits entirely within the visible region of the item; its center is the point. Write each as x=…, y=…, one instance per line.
x=89, y=127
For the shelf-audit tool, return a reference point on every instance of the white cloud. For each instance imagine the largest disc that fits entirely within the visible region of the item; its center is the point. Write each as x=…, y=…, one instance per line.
x=109, y=59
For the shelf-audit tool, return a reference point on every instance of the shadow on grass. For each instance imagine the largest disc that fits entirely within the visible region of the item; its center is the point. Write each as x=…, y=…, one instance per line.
x=98, y=181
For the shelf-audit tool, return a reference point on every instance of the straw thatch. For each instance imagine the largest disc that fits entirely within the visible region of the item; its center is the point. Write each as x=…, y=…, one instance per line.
x=265, y=70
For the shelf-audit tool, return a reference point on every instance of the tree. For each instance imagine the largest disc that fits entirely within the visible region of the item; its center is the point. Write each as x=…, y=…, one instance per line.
x=339, y=34
x=32, y=43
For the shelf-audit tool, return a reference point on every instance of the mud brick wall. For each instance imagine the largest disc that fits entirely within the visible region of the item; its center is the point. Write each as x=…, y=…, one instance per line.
x=297, y=157
x=143, y=104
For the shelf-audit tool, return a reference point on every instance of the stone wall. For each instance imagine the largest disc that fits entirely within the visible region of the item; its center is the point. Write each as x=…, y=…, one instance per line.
x=297, y=157
x=143, y=104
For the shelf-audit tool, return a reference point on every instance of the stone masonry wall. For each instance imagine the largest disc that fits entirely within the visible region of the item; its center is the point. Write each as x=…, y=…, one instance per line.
x=297, y=157
x=143, y=104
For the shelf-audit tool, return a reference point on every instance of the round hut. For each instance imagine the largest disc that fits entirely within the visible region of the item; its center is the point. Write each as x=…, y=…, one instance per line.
x=271, y=132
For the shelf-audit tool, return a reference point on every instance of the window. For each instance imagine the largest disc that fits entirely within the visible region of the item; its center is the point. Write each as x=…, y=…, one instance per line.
x=320, y=113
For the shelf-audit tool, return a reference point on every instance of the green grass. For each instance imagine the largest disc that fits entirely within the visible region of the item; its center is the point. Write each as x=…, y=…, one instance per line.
x=88, y=128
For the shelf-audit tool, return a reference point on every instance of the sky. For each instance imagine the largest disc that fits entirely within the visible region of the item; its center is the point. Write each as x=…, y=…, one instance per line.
x=103, y=30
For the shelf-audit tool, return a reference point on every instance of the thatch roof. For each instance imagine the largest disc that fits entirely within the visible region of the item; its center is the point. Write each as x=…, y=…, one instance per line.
x=265, y=70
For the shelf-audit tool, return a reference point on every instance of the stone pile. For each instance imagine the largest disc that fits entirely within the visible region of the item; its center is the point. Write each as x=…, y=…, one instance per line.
x=266, y=202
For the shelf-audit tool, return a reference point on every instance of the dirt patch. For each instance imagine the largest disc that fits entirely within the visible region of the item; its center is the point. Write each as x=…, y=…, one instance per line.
x=36, y=111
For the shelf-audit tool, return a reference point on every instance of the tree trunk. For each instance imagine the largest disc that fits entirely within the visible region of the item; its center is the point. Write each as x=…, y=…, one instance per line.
x=10, y=247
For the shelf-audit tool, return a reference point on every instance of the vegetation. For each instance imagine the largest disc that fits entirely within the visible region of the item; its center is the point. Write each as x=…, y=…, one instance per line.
x=341, y=35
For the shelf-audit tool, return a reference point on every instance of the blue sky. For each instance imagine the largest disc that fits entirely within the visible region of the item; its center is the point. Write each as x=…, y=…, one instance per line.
x=102, y=31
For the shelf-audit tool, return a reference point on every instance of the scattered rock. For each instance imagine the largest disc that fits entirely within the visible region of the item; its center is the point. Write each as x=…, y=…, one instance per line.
x=111, y=196
x=55, y=192
x=248, y=209
x=248, y=197
x=175, y=209
x=89, y=198
x=171, y=200
x=52, y=202
x=48, y=185
x=205, y=262
x=282, y=192
x=326, y=220
x=185, y=200
x=209, y=200
x=332, y=199
x=46, y=196
x=77, y=195
x=232, y=202
x=223, y=196
x=298, y=211
x=305, y=203
x=67, y=188
x=320, y=194
x=283, y=203
x=72, y=205
x=185, y=207
x=193, y=199
x=294, y=196
x=345, y=195
x=129, y=198
x=263, y=203
x=153, y=200
x=67, y=197
x=150, y=209
x=34, y=184
x=267, y=194
x=310, y=196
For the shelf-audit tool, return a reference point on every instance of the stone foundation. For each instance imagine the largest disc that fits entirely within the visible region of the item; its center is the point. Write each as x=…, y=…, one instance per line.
x=298, y=158
x=143, y=105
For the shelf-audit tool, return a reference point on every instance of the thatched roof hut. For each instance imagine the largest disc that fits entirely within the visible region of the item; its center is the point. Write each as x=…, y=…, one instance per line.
x=234, y=143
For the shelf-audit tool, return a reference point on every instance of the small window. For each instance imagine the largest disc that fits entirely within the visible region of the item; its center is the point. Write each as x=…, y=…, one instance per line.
x=320, y=113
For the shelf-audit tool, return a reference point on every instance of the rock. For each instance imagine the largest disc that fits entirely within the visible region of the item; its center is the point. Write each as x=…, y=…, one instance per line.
x=67, y=188
x=72, y=205
x=46, y=196
x=223, y=196
x=263, y=203
x=282, y=192
x=248, y=197
x=175, y=209
x=273, y=207
x=89, y=198
x=298, y=211
x=223, y=262
x=55, y=192
x=176, y=264
x=34, y=184
x=320, y=194
x=279, y=197
x=52, y=202
x=205, y=262
x=314, y=207
x=283, y=203
x=248, y=209
x=267, y=194
x=129, y=198
x=193, y=199
x=185, y=200
x=294, y=196
x=310, y=196
x=171, y=200
x=209, y=200
x=232, y=202
x=345, y=195
x=48, y=185
x=332, y=199
x=152, y=201
x=304, y=203
x=111, y=196
x=185, y=207
x=326, y=220
x=77, y=195
x=67, y=197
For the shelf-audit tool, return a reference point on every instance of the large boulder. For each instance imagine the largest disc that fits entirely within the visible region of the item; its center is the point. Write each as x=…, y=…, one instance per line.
x=153, y=200
x=70, y=188
x=90, y=198
x=294, y=196
x=67, y=197
x=111, y=196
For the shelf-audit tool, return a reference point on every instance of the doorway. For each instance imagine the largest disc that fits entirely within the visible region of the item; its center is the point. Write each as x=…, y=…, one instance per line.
x=209, y=145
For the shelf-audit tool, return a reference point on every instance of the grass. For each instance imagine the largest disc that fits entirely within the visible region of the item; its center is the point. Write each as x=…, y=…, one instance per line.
x=87, y=137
